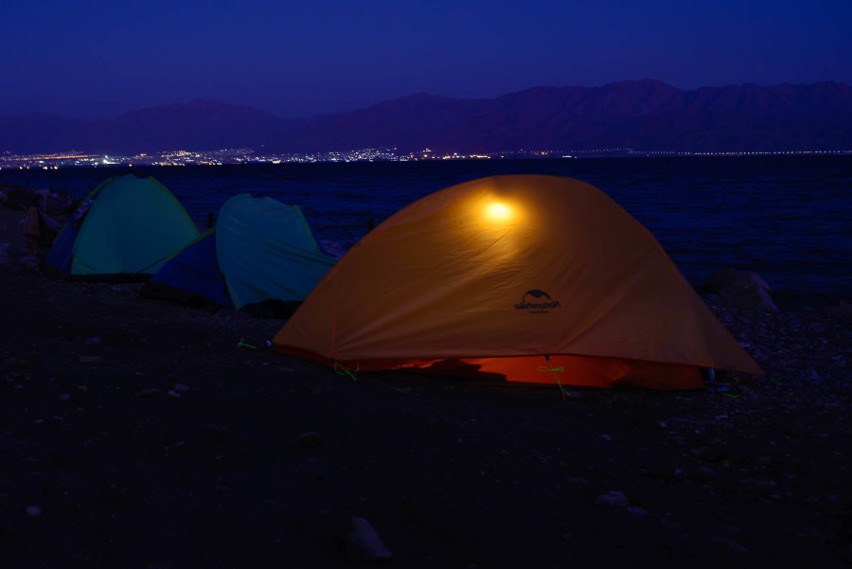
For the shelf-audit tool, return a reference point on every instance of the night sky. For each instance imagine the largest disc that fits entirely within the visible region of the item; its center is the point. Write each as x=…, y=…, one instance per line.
x=92, y=59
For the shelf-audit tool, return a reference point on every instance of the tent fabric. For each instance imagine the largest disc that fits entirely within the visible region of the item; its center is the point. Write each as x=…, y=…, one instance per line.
x=527, y=278
x=261, y=250
x=128, y=225
x=192, y=276
x=266, y=250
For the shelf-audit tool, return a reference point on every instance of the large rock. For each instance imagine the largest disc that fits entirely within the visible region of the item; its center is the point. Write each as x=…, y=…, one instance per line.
x=18, y=197
x=741, y=289
x=13, y=243
x=58, y=204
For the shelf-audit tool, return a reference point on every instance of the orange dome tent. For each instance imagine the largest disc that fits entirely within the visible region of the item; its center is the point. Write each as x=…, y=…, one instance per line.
x=532, y=279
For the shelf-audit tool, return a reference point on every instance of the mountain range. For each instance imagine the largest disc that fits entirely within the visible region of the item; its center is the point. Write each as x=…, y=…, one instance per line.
x=644, y=115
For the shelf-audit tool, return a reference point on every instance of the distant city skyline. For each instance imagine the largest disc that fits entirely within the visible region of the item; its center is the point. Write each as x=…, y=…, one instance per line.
x=247, y=156
x=95, y=59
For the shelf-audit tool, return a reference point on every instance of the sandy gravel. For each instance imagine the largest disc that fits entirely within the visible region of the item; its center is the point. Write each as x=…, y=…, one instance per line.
x=139, y=433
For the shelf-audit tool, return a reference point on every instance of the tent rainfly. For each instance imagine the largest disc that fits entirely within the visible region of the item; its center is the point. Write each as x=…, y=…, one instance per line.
x=125, y=228
x=535, y=279
x=261, y=250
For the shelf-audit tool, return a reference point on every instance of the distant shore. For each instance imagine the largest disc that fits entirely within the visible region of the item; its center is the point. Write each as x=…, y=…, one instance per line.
x=252, y=156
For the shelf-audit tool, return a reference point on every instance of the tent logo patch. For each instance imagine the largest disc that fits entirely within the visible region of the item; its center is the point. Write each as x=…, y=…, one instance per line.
x=537, y=302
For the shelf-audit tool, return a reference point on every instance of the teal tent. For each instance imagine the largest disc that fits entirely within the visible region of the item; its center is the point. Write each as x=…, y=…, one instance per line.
x=128, y=226
x=262, y=250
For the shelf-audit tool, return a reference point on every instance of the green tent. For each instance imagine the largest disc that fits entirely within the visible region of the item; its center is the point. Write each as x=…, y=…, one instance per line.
x=262, y=252
x=266, y=250
x=128, y=226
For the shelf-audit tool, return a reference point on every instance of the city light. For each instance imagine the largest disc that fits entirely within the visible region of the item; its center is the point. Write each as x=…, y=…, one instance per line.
x=181, y=157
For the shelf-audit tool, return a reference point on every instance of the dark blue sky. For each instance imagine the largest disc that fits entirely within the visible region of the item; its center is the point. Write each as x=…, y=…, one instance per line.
x=92, y=59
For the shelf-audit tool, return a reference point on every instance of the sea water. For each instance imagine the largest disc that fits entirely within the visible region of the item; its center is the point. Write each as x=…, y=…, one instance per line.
x=787, y=218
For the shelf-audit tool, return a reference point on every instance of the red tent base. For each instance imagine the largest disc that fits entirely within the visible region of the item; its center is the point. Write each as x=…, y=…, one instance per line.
x=567, y=370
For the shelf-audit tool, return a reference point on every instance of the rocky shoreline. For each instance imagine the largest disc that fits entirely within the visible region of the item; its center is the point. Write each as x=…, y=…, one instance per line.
x=147, y=434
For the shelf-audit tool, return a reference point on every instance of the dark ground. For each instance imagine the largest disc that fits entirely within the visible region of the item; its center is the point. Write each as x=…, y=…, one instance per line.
x=137, y=433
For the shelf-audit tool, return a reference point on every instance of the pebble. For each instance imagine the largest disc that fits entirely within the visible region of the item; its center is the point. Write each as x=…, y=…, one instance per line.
x=703, y=475
x=310, y=439
x=708, y=454
x=612, y=499
x=19, y=364
x=30, y=262
x=759, y=483
x=735, y=546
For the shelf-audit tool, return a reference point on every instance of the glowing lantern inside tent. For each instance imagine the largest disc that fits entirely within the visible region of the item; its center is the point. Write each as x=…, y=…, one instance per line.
x=498, y=212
